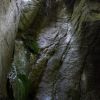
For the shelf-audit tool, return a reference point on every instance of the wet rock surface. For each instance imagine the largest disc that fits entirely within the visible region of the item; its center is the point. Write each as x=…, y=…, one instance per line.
x=18, y=75
x=61, y=68
x=67, y=69
x=56, y=54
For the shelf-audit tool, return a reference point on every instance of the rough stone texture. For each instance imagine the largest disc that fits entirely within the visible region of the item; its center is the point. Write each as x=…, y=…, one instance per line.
x=29, y=11
x=88, y=16
x=9, y=16
x=20, y=69
x=55, y=74
x=66, y=66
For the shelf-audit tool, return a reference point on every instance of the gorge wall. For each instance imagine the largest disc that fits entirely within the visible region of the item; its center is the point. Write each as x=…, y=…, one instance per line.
x=57, y=50
x=9, y=16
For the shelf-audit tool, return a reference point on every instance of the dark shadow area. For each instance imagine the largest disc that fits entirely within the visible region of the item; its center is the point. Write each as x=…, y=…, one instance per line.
x=70, y=5
x=91, y=55
x=9, y=90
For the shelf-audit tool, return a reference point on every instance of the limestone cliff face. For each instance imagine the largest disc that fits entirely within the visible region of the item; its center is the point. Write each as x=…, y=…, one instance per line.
x=9, y=16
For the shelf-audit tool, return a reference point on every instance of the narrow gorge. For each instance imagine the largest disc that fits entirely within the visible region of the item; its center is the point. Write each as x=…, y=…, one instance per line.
x=49, y=50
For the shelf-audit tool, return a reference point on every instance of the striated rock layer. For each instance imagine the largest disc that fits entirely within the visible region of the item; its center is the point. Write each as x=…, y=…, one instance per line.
x=57, y=52
x=67, y=67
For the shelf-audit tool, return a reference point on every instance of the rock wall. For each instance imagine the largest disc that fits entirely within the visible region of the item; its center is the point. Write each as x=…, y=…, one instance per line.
x=86, y=23
x=9, y=17
x=67, y=67
x=61, y=38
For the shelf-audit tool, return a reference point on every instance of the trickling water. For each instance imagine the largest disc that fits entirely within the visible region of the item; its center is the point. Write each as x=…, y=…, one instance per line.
x=18, y=75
